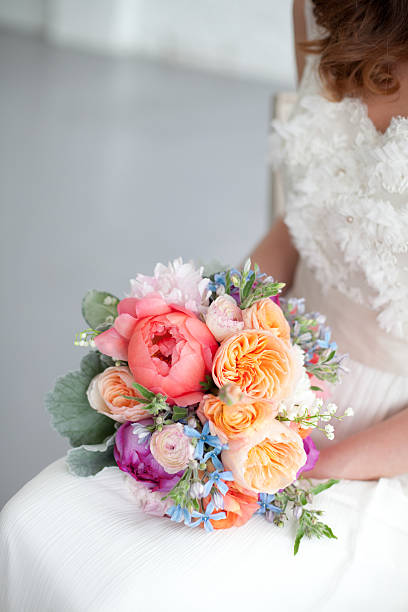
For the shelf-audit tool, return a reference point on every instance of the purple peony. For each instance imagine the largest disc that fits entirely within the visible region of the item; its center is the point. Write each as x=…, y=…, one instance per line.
x=312, y=455
x=132, y=454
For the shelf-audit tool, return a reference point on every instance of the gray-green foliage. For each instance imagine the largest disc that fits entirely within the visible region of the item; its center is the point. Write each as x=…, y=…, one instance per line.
x=99, y=309
x=89, y=460
x=71, y=413
x=297, y=498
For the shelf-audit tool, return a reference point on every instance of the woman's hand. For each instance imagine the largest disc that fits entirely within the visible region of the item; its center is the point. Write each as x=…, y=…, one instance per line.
x=379, y=451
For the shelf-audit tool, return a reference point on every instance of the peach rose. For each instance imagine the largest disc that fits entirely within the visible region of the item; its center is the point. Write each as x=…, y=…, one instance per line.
x=239, y=506
x=258, y=362
x=105, y=394
x=232, y=422
x=265, y=314
x=268, y=460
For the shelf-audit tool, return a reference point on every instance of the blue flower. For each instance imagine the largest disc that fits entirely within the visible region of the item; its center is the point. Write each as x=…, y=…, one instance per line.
x=179, y=514
x=213, y=454
x=325, y=343
x=219, y=279
x=217, y=478
x=206, y=517
x=265, y=504
x=202, y=438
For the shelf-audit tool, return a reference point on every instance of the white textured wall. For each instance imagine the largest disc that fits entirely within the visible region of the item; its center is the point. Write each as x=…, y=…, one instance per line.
x=244, y=37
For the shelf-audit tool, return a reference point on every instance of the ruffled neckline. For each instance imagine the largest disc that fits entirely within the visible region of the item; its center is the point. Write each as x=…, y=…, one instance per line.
x=397, y=122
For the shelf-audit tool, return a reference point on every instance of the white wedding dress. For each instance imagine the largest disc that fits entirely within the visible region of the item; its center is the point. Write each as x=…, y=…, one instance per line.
x=80, y=545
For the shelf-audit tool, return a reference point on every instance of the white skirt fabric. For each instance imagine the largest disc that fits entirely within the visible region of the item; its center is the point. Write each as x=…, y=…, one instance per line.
x=80, y=545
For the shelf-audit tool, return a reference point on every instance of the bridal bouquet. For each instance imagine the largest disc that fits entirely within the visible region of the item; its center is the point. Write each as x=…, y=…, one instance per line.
x=203, y=389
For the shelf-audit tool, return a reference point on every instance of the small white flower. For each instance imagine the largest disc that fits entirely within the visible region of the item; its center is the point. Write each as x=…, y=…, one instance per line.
x=196, y=490
x=332, y=408
x=330, y=436
x=349, y=412
x=141, y=432
x=329, y=429
x=192, y=422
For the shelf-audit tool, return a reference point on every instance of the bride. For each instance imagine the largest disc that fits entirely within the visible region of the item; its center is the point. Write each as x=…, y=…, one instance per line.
x=71, y=544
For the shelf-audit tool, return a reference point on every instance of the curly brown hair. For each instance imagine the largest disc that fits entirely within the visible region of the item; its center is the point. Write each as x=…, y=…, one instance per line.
x=363, y=42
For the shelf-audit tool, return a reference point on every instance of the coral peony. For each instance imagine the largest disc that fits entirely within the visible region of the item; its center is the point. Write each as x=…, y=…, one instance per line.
x=265, y=314
x=224, y=317
x=258, y=362
x=133, y=455
x=106, y=395
x=168, y=348
x=232, y=422
x=268, y=460
x=172, y=448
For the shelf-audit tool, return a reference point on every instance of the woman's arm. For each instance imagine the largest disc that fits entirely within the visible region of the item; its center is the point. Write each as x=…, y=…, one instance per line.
x=300, y=34
x=276, y=254
x=379, y=451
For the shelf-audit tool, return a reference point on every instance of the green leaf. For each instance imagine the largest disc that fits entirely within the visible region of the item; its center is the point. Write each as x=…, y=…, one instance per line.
x=316, y=388
x=71, y=413
x=99, y=308
x=89, y=460
x=328, y=532
x=299, y=535
x=179, y=413
x=228, y=282
x=149, y=395
x=323, y=486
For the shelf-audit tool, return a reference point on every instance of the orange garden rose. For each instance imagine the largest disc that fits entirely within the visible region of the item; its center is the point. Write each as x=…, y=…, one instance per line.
x=106, y=391
x=258, y=362
x=265, y=314
x=239, y=506
x=268, y=460
x=231, y=422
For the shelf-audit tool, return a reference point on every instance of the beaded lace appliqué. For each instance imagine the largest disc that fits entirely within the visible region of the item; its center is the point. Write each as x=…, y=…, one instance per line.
x=347, y=201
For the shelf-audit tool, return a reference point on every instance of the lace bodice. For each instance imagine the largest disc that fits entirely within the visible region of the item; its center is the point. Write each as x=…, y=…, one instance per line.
x=347, y=199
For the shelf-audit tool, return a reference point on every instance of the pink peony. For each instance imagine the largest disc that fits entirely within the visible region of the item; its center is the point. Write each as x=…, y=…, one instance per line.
x=150, y=502
x=168, y=348
x=178, y=283
x=171, y=448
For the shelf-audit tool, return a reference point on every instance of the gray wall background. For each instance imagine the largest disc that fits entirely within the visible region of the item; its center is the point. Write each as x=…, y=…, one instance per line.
x=108, y=165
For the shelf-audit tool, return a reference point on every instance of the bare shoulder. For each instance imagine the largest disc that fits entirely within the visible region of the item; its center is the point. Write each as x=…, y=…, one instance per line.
x=381, y=109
